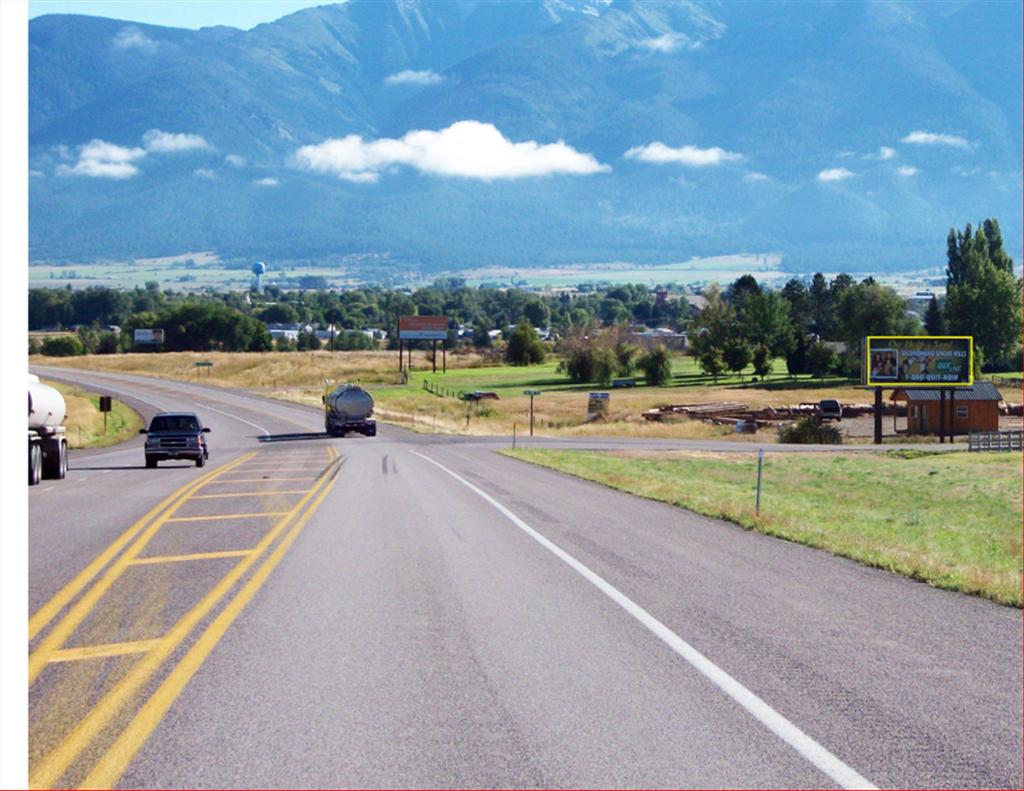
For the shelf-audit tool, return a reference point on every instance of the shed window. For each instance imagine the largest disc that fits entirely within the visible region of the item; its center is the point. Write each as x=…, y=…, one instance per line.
x=961, y=411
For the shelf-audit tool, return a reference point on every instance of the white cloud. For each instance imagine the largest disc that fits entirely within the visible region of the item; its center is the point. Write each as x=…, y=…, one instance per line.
x=133, y=38
x=36, y=173
x=907, y=170
x=691, y=156
x=845, y=154
x=410, y=77
x=755, y=177
x=466, y=149
x=100, y=159
x=960, y=170
x=669, y=42
x=933, y=139
x=205, y=173
x=884, y=152
x=834, y=174
x=163, y=142
x=266, y=182
x=235, y=160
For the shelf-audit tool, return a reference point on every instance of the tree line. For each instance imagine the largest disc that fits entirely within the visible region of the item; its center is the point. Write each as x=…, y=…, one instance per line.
x=815, y=325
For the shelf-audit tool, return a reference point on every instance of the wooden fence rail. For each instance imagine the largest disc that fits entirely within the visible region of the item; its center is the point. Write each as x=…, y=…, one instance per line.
x=995, y=440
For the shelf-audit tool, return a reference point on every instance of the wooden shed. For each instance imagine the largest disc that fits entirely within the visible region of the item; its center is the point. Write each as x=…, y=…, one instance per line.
x=974, y=408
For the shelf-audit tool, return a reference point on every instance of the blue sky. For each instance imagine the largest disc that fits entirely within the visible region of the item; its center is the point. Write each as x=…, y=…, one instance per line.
x=194, y=14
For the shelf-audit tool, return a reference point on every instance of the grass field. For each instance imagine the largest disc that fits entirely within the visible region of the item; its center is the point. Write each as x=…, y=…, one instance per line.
x=560, y=410
x=951, y=519
x=84, y=421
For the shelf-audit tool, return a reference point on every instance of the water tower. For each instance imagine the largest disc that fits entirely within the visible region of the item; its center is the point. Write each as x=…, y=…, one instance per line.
x=258, y=270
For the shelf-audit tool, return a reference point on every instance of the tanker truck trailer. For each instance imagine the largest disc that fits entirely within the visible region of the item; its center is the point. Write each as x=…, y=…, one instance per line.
x=349, y=408
x=47, y=440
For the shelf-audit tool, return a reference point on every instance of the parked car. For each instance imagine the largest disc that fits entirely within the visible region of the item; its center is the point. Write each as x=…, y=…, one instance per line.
x=830, y=409
x=176, y=435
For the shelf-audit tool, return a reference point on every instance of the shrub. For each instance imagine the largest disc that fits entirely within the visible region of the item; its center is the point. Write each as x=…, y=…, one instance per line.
x=524, y=346
x=811, y=430
x=34, y=347
x=606, y=364
x=657, y=366
x=63, y=346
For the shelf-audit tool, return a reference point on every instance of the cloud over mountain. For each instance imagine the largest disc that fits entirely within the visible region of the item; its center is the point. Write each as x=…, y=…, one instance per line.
x=410, y=77
x=690, y=156
x=932, y=139
x=466, y=149
x=100, y=159
x=163, y=142
x=834, y=174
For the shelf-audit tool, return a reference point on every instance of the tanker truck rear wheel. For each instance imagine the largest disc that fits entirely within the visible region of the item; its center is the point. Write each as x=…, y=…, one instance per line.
x=35, y=464
x=55, y=459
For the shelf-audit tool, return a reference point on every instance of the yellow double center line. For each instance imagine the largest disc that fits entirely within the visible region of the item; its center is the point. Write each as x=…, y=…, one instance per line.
x=111, y=766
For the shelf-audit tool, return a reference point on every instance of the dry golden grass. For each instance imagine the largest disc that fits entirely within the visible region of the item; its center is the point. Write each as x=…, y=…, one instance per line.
x=560, y=411
x=85, y=424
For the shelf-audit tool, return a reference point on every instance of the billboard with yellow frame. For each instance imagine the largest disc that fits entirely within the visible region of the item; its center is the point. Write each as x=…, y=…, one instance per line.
x=918, y=361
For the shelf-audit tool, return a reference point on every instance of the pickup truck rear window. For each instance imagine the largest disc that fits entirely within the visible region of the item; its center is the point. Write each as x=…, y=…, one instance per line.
x=174, y=423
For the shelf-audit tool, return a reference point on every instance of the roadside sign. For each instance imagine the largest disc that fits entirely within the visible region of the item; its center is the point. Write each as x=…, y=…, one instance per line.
x=531, y=392
x=918, y=361
x=597, y=405
x=203, y=364
x=105, y=404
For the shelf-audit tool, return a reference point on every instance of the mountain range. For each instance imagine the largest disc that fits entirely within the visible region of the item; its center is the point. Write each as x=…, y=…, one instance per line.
x=432, y=136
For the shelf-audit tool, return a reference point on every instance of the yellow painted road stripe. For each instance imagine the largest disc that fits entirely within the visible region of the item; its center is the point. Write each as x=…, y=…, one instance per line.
x=66, y=626
x=52, y=767
x=228, y=553
x=263, y=480
x=41, y=617
x=111, y=766
x=103, y=651
x=246, y=494
x=218, y=517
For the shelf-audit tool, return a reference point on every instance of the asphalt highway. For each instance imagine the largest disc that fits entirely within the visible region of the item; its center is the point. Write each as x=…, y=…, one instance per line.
x=416, y=610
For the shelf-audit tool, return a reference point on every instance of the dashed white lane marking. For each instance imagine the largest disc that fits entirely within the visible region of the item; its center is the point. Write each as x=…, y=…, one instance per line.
x=811, y=750
x=233, y=417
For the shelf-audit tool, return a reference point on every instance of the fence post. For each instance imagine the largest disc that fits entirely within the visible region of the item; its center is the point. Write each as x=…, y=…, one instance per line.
x=757, y=502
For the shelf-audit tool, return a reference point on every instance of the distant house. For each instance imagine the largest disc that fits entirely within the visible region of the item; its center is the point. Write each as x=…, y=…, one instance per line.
x=974, y=408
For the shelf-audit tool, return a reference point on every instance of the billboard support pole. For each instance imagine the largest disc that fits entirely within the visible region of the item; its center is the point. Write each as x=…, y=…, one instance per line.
x=399, y=353
x=942, y=415
x=878, y=415
x=433, y=357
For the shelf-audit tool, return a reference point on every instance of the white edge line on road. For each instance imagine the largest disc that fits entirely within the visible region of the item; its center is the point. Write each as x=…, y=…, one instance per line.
x=844, y=775
x=235, y=417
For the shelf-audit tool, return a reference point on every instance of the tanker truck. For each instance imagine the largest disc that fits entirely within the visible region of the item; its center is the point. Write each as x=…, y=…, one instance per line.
x=349, y=408
x=47, y=440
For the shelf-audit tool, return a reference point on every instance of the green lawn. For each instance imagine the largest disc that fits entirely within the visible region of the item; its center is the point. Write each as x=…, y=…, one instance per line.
x=950, y=519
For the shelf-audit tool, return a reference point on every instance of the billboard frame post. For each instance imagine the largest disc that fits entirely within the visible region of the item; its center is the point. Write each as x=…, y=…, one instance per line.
x=878, y=415
x=942, y=415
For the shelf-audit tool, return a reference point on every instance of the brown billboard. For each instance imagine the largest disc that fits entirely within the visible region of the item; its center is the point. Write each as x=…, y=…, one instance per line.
x=423, y=328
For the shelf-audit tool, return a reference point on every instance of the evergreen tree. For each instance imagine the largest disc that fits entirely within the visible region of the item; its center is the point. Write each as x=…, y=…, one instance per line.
x=762, y=361
x=934, y=324
x=524, y=346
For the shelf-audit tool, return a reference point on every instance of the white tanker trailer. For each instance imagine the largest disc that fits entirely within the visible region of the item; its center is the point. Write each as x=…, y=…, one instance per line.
x=47, y=440
x=349, y=408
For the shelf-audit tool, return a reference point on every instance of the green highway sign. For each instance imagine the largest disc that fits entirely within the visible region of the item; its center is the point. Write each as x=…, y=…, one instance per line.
x=531, y=392
x=203, y=364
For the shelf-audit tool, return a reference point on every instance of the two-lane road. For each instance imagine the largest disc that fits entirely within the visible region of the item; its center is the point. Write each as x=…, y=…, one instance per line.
x=416, y=610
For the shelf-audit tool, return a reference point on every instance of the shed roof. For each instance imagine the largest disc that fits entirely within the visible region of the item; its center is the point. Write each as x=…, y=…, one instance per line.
x=979, y=391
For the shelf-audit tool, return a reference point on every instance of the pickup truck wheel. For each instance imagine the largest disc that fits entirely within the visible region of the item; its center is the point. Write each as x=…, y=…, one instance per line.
x=200, y=461
x=150, y=463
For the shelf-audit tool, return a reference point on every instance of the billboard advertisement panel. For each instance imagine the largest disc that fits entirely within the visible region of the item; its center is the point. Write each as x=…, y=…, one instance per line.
x=918, y=361
x=149, y=336
x=423, y=328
